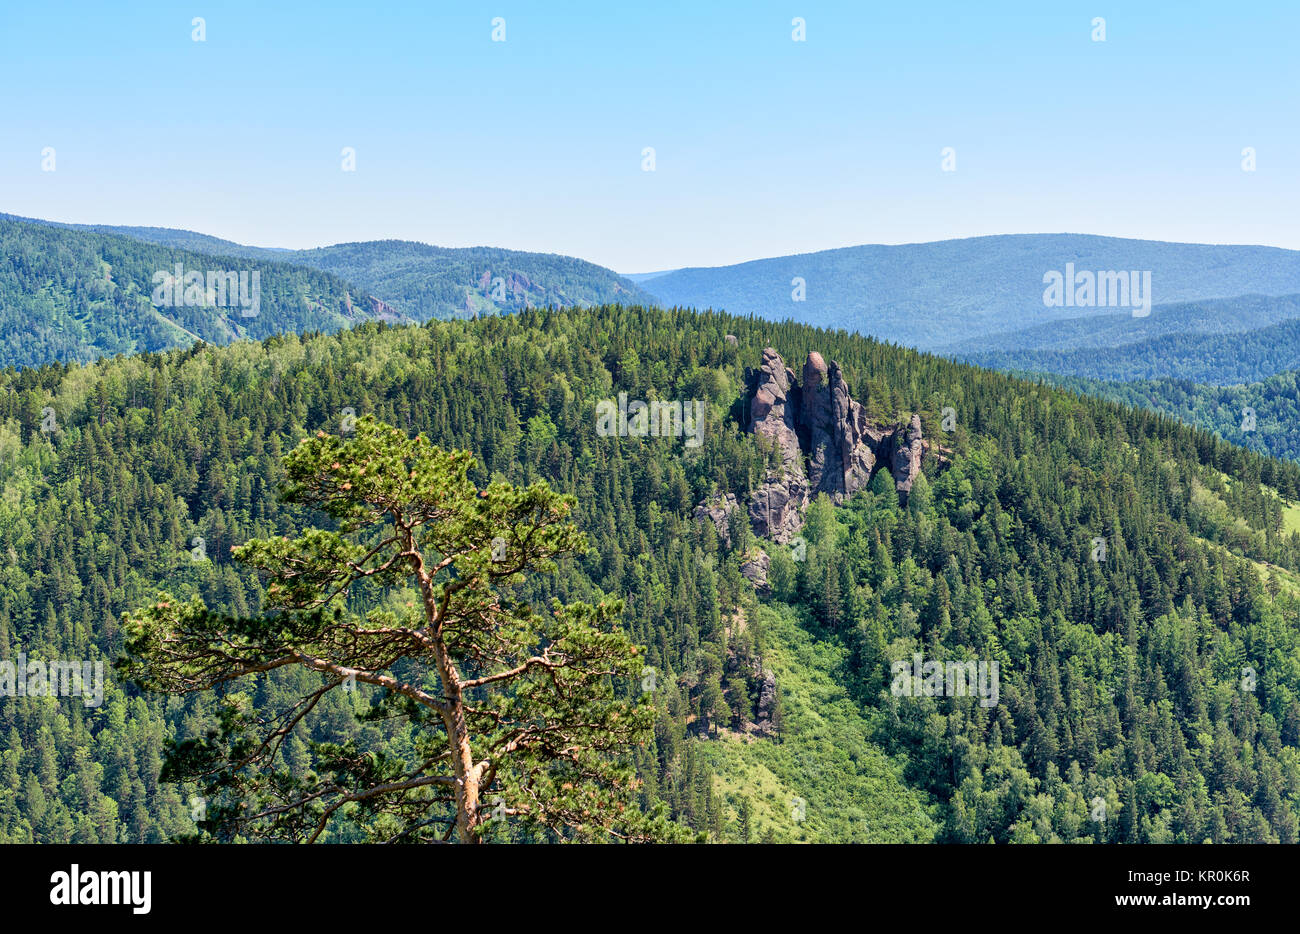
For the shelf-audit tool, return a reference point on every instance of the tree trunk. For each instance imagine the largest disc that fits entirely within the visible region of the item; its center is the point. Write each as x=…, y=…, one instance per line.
x=467, y=776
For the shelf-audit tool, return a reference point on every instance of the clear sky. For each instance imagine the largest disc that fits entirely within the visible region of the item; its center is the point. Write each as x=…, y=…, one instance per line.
x=763, y=145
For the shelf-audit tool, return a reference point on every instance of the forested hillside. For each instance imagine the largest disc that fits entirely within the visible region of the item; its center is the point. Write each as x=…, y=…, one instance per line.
x=1228, y=366
x=1217, y=316
x=1261, y=416
x=427, y=282
x=1123, y=678
x=73, y=295
x=421, y=282
x=1219, y=359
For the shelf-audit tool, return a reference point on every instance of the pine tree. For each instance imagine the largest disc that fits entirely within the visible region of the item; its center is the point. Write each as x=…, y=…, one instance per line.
x=406, y=511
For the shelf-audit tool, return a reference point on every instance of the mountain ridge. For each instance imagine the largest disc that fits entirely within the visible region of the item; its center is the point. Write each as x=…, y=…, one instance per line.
x=420, y=280
x=69, y=294
x=936, y=293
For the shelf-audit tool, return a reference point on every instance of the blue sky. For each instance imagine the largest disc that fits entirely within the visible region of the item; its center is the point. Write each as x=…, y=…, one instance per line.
x=763, y=145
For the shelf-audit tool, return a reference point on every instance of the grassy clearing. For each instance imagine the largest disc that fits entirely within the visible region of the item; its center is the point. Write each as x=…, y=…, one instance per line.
x=852, y=791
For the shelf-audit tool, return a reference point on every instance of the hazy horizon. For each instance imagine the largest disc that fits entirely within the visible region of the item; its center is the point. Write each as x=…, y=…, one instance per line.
x=650, y=273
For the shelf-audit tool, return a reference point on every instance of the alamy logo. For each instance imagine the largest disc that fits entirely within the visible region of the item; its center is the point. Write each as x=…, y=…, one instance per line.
x=219, y=288
x=654, y=419
x=35, y=678
x=953, y=679
x=75, y=887
x=1103, y=289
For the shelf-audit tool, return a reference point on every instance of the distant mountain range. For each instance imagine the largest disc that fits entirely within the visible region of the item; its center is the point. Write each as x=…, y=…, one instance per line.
x=1221, y=342
x=933, y=295
x=75, y=295
x=1212, y=316
x=421, y=281
x=1223, y=315
x=78, y=292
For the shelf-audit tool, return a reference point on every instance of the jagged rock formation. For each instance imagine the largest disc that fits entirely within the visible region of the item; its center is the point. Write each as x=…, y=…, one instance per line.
x=907, y=457
x=841, y=443
x=821, y=442
x=774, y=508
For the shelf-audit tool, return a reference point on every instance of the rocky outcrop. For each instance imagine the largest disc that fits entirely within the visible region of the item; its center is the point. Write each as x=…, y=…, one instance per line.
x=516, y=285
x=818, y=420
x=754, y=569
x=719, y=513
x=764, y=725
x=774, y=410
x=819, y=440
x=775, y=507
x=519, y=285
x=841, y=443
x=908, y=449
x=382, y=310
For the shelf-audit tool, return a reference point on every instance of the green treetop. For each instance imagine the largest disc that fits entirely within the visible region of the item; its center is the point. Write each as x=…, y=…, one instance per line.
x=513, y=712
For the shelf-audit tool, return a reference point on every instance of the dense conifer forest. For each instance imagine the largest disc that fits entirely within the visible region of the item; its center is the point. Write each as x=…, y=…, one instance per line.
x=77, y=295
x=78, y=292
x=1149, y=692
x=1262, y=416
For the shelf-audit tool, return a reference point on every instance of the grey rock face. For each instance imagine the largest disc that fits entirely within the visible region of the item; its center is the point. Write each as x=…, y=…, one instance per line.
x=852, y=444
x=775, y=507
x=818, y=419
x=719, y=513
x=909, y=446
x=842, y=444
x=773, y=411
x=766, y=704
x=822, y=442
x=754, y=569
